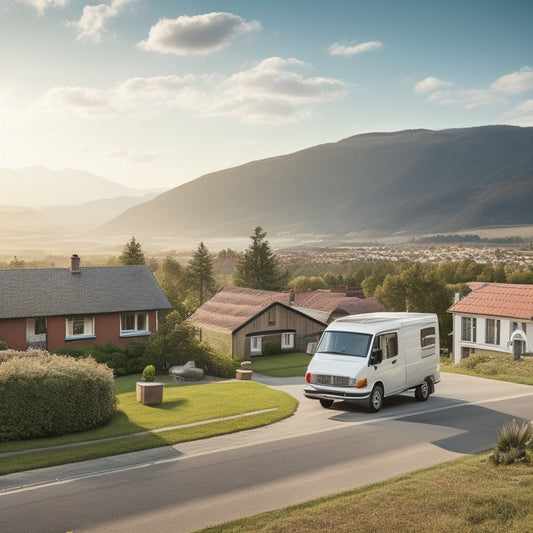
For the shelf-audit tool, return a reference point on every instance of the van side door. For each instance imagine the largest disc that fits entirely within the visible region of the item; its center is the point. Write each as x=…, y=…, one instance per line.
x=391, y=370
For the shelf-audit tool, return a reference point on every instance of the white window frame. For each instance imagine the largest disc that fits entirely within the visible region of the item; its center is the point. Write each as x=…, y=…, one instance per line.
x=256, y=345
x=469, y=329
x=74, y=322
x=136, y=330
x=287, y=341
x=492, y=331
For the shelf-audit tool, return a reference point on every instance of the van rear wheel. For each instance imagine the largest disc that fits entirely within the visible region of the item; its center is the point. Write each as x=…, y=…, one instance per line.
x=423, y=391
x=326, y=404
x=375, y=401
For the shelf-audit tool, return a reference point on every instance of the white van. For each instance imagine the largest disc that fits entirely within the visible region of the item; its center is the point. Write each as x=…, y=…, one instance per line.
x=367, y=357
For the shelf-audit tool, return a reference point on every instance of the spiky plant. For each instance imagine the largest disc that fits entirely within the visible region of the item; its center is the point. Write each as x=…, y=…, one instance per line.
x=514, y=442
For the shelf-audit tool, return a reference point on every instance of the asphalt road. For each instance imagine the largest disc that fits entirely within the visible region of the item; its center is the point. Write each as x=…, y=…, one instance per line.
x=314, y=453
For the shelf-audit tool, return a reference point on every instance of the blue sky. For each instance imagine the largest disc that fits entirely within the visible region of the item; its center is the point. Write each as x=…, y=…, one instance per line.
x=156, y=93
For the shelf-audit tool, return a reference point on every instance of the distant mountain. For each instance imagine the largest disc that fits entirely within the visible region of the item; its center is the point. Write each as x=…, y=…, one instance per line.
x=39, y=187
x=18, y=222
x=89, y=215
x=415, y=181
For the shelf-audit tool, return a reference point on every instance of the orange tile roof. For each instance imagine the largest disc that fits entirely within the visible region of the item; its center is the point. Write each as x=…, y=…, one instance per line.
x=498, y=299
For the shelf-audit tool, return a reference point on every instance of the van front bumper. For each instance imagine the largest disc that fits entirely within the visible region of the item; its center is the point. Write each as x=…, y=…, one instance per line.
x=314, y=394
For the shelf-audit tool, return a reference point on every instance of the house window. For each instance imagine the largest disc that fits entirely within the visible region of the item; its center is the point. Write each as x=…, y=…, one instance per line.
x=468, y=329
x=519, y=325
x=40, y=326
x=272, y=316
x=492, y=331
x=287, y=341
x=133, y=324
x=80, y=326
x=255, y=346
x=427, y=337
x=465, y=352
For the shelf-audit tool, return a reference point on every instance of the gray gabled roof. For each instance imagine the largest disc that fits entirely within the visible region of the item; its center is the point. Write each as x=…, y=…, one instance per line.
x=58, y=291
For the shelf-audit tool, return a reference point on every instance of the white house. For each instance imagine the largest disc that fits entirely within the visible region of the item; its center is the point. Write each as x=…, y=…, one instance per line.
x=496, y=317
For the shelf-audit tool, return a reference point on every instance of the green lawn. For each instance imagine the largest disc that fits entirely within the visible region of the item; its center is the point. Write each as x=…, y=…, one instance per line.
x=281, y=366
x=128, y=429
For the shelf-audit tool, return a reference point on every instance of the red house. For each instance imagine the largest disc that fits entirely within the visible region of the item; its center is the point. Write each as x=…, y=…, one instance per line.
x=53, y=308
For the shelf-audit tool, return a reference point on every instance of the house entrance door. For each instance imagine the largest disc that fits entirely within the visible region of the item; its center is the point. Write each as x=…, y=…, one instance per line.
x=36, y=334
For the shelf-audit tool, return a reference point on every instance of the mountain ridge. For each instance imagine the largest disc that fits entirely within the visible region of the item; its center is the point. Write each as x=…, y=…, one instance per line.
x=416, y=181
x=39, y=187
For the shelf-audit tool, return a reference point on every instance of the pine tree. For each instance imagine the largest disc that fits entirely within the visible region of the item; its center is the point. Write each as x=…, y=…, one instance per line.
x=200, y=274
x=259, y=268
x=132, y=254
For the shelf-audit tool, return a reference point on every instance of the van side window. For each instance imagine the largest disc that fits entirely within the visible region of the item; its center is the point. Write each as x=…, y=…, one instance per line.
x=388, y=343
x=427, y=337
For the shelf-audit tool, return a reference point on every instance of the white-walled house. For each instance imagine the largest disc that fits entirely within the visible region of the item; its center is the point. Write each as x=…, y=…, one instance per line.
x=496, y=317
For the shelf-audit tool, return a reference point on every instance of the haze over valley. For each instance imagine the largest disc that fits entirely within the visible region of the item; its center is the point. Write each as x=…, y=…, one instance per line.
x=373, y=187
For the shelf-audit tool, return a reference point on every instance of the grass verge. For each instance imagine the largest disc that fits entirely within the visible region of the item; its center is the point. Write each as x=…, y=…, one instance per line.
x=468, y=494
x=129, y=428
x=281, y=366
x=499, y=366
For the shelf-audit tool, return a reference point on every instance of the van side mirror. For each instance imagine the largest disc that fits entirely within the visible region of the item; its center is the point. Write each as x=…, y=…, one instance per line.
x=376, y=356
x=311, y=348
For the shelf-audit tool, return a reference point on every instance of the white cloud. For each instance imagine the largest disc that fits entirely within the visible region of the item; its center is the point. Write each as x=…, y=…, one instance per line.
x=514, y=83
x=137, y=97
x=338, y=49
x=521, y=114
x=92, y=25
x=273, y=91
x=199, y=35
x=42, y=5
x=430, y=84
x=496, y=93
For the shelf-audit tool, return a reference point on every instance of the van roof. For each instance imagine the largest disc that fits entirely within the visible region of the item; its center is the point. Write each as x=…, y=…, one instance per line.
x=375, y=322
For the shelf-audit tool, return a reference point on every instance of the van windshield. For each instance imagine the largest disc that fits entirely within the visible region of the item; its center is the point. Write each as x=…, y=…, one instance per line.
x=344, y=343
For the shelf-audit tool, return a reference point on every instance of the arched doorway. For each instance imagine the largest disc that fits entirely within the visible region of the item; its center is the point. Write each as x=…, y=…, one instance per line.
x=518, y=341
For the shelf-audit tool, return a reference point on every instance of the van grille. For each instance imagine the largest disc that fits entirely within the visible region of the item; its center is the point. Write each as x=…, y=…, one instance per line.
x=334, y=381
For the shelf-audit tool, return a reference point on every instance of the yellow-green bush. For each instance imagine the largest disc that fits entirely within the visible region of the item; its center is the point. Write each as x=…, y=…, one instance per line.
x=45, y=395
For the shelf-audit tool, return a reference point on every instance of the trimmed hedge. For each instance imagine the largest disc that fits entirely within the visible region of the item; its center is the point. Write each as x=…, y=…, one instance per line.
x=122, y=362
x=47, y=395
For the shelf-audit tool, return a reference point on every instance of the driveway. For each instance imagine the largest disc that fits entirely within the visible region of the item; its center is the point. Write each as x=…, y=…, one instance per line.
x=309, y=419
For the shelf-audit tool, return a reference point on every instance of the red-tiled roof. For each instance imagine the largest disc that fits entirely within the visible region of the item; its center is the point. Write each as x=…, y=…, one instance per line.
x=233, y=306
x=498, y=299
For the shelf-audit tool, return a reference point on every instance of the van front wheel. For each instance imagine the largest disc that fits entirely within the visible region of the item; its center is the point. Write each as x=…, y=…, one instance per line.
x=376, y=399
x=422, y=391
x=326, y=404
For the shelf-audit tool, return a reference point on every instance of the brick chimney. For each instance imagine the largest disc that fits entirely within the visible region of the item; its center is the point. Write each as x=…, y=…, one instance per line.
x=75, y=264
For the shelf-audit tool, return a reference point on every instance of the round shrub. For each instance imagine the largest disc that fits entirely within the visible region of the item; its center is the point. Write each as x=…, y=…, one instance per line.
x=49, y=395
x=148, y=373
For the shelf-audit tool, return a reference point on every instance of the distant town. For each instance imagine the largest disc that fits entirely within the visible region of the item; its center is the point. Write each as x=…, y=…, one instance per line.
x=521, y=255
